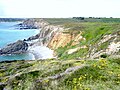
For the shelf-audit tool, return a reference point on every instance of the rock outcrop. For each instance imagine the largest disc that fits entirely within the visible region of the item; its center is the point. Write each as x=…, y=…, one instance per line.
x=61, y=39
x=111, y=44
x=52, y=36
x=71, y=51
x=15, y=48
x=32, y=24
x=32, y=38
x=47, y=33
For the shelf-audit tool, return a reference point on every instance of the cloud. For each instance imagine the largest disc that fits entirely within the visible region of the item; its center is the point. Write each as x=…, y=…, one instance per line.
x=60, y=8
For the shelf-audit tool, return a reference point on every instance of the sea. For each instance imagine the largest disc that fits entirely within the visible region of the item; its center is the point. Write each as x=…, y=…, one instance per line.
x=9, y=33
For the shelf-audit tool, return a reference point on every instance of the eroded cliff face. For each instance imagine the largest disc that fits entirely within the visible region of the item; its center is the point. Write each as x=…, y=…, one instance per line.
x=109, y=45
x=61, y=39
x=47, y=33
x=53, y=36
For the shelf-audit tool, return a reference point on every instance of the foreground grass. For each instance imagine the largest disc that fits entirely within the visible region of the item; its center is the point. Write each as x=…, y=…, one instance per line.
x=102, y=74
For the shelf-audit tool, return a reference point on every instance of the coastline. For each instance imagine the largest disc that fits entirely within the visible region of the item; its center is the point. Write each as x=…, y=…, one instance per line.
x=37, y=51
x=16, y=34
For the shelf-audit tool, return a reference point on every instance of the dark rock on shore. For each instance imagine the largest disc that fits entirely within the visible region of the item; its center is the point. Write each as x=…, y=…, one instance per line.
x=33, y=23
x=32, y=37
x=26, y=26
x=15, y=48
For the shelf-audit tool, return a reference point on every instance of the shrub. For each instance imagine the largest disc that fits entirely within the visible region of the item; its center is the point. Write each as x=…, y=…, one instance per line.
x=103, y=56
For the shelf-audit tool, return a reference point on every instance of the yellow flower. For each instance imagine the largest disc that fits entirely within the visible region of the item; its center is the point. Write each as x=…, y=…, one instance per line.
x=75, y=80
x=83, y=76
x=94, y=65
x=91, y=76
x=74, y=88
x=117, y=82
x=99, y=67
x=46, y=81
x=87, y=89
x=101, y=76
x=110, y=72
x=118, y=75
x=80, y=78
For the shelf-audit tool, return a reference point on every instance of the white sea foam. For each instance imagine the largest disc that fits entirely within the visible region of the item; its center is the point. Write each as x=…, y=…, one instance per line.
x=32, y=57
x=41, y=52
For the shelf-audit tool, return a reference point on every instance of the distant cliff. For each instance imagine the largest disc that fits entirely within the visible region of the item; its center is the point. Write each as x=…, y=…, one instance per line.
x=11, y=19
x=32, y=24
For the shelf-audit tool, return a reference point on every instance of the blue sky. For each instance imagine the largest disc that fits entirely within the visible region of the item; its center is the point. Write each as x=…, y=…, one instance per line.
x=59, y=8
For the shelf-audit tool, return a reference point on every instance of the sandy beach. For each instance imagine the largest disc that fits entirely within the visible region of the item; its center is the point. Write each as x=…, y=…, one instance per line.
x=41, y=52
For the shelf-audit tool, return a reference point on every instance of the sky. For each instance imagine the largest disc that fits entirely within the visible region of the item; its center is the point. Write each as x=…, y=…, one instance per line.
x=59, y=8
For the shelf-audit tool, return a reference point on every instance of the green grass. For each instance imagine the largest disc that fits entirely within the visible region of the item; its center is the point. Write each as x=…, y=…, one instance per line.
x=100, y=74
x=61, y=21
x=93, y=32
x=79, y=54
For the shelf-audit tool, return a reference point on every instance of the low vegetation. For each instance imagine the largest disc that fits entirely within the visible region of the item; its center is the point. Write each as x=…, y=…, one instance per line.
x=93, y=32
x=102, y=74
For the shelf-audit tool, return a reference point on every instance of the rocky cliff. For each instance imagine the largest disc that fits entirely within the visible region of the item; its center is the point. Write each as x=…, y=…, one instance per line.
x=61, y=39
x=55, y=36
x=52, y=36
x=32, y=24
x=15, y=48
x=111, y=45
x=48, y=32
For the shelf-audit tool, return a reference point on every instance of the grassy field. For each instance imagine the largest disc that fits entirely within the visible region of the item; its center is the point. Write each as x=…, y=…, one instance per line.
x=59, y=21
x=102, y=74
x=93, y=32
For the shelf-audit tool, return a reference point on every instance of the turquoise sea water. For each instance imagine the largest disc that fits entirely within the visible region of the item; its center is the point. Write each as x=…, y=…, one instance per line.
x=8, y=34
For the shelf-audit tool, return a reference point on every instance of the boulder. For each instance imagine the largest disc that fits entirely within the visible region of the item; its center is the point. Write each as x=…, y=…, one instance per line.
x=15, y=48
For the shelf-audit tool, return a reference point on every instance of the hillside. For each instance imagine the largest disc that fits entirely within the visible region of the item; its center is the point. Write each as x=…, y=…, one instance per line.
x=73, y=38
x=102, y=74
x=87, y=57
x=91, y=40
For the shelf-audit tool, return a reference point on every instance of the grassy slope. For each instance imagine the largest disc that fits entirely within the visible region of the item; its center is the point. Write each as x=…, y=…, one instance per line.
x=66, y=73
x=93, y=30
x=103, y=74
